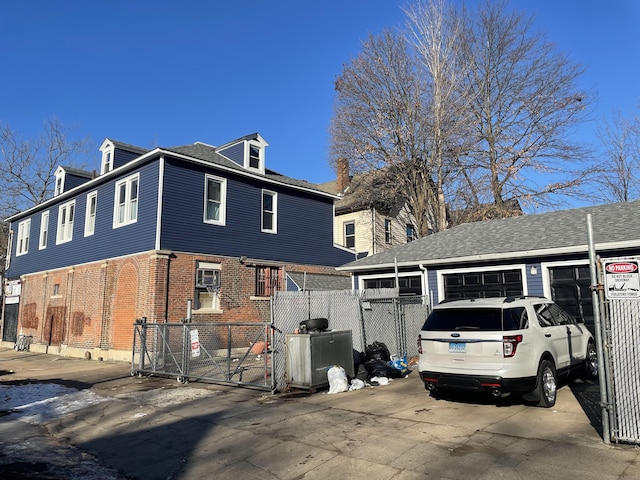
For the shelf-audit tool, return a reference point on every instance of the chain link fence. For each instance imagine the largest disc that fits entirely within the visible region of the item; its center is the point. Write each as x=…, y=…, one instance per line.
x=254, y=354
x=371, y=315
x=622, y=343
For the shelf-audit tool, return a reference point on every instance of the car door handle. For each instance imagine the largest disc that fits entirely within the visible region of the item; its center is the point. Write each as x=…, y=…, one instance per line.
x=547, y=335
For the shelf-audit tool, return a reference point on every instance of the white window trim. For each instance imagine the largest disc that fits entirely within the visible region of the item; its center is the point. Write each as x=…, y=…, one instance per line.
x=44, y=229
x=24, y=232
x=223, y=200
x=64, y=232
x=107, y=153
x=274, y=213
x=90, y=224
x=58, y=187
x=247, y=156
x=215, y=300
x=127, y=203
x=344, y=233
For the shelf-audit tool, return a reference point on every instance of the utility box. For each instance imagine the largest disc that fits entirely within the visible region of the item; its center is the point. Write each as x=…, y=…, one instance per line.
x=310, y=355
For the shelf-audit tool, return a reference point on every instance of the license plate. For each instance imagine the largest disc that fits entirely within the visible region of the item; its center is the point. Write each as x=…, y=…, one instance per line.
x=457, y=347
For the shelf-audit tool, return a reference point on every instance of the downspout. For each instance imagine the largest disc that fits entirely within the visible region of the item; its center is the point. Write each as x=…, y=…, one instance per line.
x=426, y=283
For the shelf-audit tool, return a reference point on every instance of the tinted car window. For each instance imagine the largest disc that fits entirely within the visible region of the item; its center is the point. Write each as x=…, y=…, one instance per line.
x=481, y=319
x=545, y=317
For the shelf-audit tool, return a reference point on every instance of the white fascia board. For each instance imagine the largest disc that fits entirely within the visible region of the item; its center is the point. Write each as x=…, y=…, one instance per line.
x=547, y=252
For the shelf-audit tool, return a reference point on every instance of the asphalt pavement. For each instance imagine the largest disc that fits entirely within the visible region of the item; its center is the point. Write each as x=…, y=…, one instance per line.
x=156, y=428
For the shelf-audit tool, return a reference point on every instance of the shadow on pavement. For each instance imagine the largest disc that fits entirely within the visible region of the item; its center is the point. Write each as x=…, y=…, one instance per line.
x=588, y=396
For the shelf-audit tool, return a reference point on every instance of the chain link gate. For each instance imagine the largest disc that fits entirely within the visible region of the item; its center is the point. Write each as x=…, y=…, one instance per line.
x=227, y=353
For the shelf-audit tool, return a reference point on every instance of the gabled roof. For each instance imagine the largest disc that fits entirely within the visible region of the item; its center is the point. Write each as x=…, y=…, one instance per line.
x=319, y=281
x=615, y=226
x=125, y=146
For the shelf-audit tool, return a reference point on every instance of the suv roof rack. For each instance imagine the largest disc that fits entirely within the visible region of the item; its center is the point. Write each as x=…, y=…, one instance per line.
x=513, y=298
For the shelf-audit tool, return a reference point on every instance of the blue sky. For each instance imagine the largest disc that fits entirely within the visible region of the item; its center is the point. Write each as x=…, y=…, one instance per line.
x=171, y=73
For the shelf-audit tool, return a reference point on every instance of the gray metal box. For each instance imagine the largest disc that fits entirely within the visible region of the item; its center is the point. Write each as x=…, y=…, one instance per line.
x=310, y=355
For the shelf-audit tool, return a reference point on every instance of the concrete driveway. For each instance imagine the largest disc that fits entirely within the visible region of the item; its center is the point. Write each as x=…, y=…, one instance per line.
x=156, y=428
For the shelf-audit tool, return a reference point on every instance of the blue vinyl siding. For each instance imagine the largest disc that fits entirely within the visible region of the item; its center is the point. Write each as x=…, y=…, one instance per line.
x=235, y=153
x=106, y=242
x=72, y=181
x=305, y=221
x=122, y=157
x=534, y=282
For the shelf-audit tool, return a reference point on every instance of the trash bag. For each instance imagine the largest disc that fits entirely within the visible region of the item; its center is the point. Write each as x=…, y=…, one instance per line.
x=400, y=363
x=380, y=368
x=337, y=380
x=377, y=351
x=356, y=384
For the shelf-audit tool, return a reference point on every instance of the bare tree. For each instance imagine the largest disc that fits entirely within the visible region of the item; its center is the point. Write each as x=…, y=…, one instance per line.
x=27, y=168
x=525, y=100
x=619, y=177
x=399, y=114
x=378, y=124
x=435, y=31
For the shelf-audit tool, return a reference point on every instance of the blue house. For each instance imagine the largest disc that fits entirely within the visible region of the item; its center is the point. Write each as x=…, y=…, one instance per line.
x=155, y=229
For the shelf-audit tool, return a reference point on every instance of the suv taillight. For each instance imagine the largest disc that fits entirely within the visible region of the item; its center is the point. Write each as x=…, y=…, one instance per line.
x=509, y=345
x=419, y=343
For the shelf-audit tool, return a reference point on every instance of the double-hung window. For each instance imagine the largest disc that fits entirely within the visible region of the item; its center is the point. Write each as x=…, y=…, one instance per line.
x=44, y=230
x=126, y=201
x=90, y=216
x=411, y=232
x=215, y=199
x=254, y=156
x=24, y=230
x=387, y=231
x=269, y=212
x=350, y=234
x=66, y=214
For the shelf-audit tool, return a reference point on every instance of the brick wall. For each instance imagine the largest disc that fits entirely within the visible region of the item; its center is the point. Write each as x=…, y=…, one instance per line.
x=94, y=306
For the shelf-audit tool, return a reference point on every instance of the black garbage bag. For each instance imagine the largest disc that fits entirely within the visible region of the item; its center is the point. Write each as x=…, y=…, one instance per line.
x=379, y=368
x=377, y=351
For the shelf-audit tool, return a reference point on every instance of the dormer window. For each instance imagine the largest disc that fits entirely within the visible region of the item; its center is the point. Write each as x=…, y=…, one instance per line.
x=59, y=186
x=107, y=157
x=254, y=156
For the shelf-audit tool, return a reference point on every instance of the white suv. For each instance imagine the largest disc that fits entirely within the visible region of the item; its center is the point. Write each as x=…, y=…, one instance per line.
x=504, y=345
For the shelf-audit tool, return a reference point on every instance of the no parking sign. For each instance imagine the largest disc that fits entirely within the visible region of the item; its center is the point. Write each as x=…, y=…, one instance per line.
x=622, y=279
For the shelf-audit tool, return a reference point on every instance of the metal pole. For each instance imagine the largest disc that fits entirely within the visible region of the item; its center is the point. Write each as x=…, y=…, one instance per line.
x=595, y=286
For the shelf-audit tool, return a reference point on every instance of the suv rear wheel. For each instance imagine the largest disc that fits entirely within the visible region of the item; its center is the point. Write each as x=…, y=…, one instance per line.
x=590, y=371
x=546, y=387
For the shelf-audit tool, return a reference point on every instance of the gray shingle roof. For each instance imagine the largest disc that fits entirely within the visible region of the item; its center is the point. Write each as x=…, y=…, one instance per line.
x=317, y=281
x=551, y=233
x=208, y=153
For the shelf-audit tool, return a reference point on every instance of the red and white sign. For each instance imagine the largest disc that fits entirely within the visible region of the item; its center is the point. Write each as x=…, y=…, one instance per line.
x=195, y=344
x=621, y=279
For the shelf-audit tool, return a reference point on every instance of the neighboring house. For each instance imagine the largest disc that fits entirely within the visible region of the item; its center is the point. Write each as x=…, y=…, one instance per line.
x=544, y=254
x=363, y=224
x=159, y=230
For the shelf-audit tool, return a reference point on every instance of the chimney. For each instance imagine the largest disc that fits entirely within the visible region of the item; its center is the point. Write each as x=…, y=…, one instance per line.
x=342, y=181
